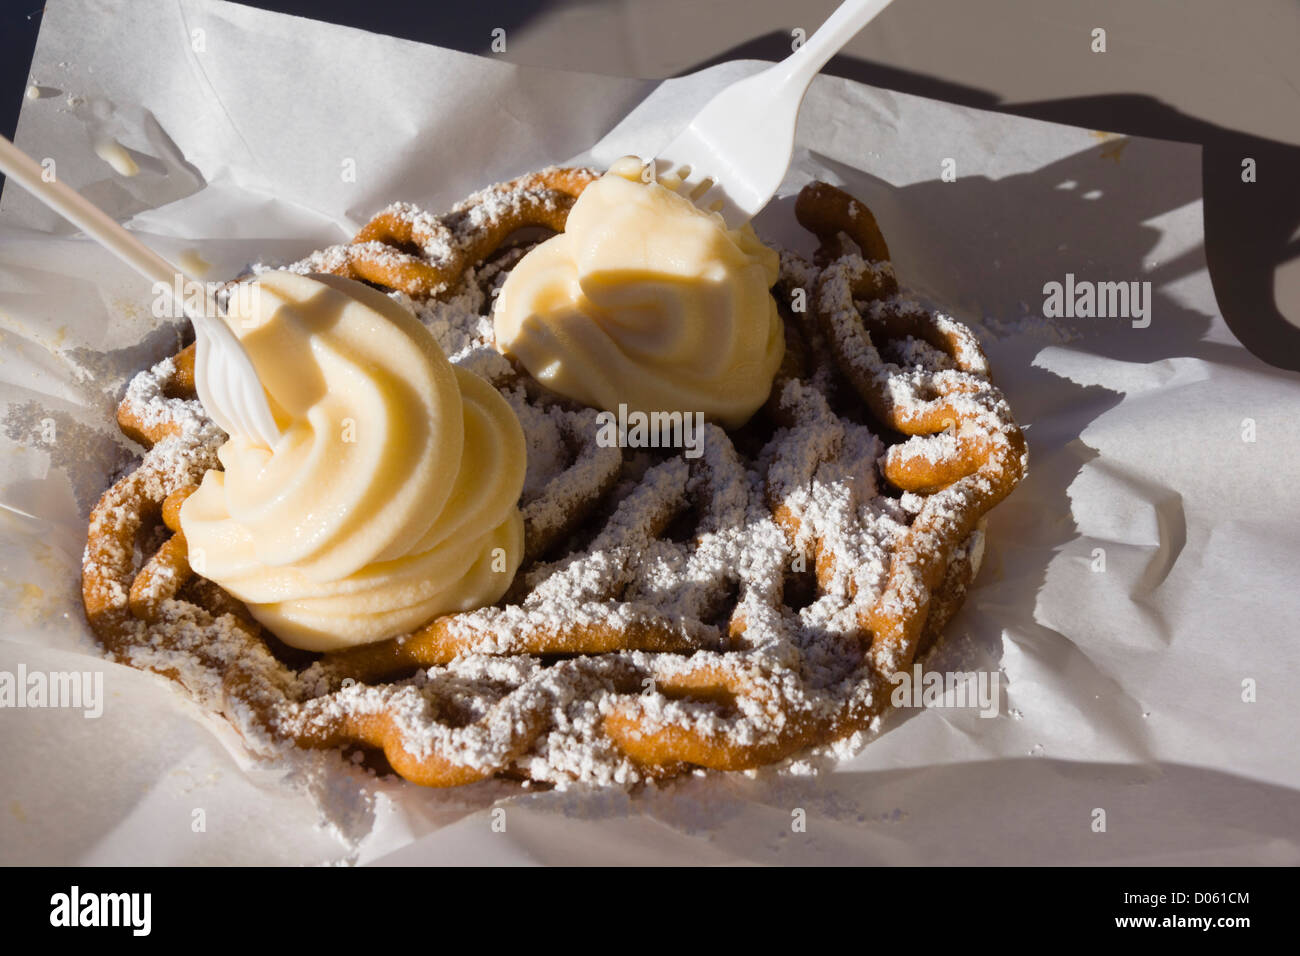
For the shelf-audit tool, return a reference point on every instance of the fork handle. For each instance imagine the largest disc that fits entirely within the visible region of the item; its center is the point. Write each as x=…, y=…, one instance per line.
x=840, y=27
x=98, y=225
x=92, y=220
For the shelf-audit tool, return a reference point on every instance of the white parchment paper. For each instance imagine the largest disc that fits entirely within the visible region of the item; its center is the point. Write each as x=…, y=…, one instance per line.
x=1137, y=600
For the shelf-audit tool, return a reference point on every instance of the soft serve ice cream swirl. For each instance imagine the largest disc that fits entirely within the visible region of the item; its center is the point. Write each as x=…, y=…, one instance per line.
x=646, y=301
x=391, y=496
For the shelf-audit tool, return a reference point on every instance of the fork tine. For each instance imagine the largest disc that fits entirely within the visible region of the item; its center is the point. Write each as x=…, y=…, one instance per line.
x=229, y=386
x=202, y=385
x=241, y=399
x=217, y=386
x=247, y=402
x=225, y=387
x=228, y=389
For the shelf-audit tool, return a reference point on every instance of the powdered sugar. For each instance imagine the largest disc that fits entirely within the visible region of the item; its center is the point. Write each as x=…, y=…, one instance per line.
x=688, y=565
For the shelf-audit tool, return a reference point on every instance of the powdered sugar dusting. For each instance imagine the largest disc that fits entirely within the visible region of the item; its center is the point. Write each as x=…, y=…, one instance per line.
x=711, y=557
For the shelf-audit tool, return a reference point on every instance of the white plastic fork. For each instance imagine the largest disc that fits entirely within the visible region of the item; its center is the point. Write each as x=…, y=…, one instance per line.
x=224, y=376
x=734, y=154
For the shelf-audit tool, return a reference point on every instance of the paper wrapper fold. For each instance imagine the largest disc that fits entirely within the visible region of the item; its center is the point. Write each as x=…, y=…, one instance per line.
x=1137, y=599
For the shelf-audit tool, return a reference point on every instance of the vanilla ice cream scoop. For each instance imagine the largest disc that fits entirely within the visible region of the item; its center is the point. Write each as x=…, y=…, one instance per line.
x=391, y=495
x=646, y=301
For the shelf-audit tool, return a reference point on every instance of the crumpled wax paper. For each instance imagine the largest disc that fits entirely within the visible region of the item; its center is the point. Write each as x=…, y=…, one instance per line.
x=1137, y=599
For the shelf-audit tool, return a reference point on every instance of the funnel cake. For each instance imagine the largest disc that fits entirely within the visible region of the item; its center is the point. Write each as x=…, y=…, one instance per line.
x=722, y=612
